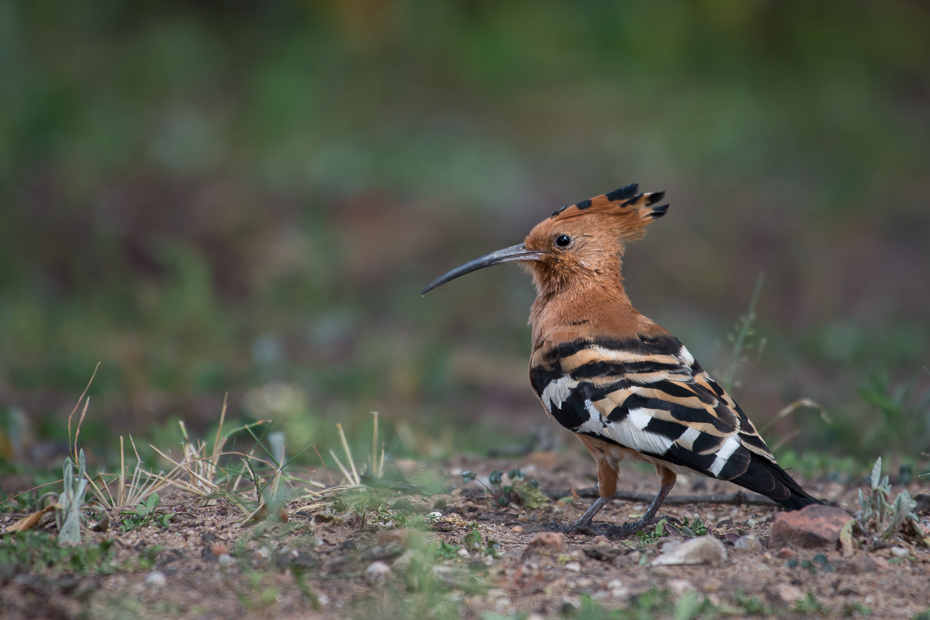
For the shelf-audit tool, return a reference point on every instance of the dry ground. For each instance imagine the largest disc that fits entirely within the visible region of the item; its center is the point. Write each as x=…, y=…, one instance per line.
x=207, y=564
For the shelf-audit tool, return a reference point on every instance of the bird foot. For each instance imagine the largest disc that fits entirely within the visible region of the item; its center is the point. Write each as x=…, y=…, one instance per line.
x=613, y=532
x=575, y=528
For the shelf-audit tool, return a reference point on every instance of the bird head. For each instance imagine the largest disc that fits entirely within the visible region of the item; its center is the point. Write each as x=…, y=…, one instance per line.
x=579, y=245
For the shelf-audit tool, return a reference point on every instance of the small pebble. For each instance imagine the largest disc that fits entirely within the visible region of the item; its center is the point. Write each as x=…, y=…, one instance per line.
x=503, y=603
x=156, y=579
x=318, y=542
x=547, y=543
x=786, y=553
x=750, y=542
x=573, y=566
x=702, y=550
x=226, y=560
x=600, y=540
x=788, y=593
x=377, y=573
x=899, y=552
x=463, y=553
x=410, y=558
x=679, y=586
x=518, y=529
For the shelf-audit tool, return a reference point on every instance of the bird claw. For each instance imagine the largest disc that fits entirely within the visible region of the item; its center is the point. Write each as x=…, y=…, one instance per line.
x=574, y=528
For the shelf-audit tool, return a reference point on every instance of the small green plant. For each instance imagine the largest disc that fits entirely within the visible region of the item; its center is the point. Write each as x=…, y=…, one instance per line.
x=428, y=590
x=71, y=499
x=34, y=551
x=526, y=493
x=751, y=606
x=653, y=603
x=647, y=537
x=905, y=415
x=145, y=512
x=744, y=339
x=448, y=551
x=690, y=530
x=881, y=519
x=475, y=543
x=810, y=605
x=147, y=559
x=472, y=540
x=856, y=609
x=697, y=528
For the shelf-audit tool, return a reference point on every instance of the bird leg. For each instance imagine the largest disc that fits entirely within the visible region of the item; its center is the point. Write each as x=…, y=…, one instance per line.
x=584, y=525
x=628, y=529
x=606, y=486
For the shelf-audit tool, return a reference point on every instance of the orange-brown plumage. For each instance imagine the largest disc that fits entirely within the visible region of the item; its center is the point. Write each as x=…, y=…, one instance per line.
x=625, y=385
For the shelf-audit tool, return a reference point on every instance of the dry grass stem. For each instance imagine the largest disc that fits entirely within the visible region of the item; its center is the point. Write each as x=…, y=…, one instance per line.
x=74, y=454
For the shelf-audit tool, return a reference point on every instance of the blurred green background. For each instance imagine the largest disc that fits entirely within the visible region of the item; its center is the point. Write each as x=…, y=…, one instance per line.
x=248, y=195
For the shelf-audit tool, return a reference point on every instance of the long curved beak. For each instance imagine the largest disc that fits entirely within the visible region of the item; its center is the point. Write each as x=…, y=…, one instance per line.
x=513, y=254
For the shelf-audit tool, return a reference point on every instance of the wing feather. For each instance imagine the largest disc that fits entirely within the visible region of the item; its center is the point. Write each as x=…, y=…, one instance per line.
x=648, y=395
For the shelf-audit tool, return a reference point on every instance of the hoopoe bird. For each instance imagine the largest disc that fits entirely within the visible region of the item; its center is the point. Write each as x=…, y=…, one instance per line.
x=626, y=386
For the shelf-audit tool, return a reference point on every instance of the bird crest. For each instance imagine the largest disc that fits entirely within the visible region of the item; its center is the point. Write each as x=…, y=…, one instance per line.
x=580, y=244
x=624, y=211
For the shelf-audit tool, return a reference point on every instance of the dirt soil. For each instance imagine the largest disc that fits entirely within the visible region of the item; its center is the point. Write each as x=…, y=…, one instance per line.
x=326, y=561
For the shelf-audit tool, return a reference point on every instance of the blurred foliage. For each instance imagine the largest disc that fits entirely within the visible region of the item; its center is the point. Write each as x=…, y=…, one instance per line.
x=247, y=196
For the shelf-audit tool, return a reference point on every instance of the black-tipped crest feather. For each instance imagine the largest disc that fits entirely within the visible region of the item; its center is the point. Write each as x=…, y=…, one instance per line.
x=623, y=193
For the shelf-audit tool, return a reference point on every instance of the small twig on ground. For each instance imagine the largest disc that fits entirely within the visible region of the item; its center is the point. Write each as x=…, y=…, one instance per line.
x=736, y=499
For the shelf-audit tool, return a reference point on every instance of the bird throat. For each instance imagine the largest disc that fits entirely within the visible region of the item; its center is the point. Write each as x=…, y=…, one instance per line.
x=582, y=311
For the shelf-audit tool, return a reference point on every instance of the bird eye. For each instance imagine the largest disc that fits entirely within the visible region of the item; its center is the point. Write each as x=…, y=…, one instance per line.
x=563, y=241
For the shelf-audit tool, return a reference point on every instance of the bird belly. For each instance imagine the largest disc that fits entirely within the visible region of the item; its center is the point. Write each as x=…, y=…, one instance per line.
x=609, y=454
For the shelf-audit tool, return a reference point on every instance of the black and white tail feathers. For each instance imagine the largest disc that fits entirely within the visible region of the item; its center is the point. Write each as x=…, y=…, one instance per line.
x=769, y=479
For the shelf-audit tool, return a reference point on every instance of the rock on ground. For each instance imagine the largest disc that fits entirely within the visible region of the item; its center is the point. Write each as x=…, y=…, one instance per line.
x=788, y=594
x=546, y=543
x=813, y=526
x=750, y=542
x=156, y=579
x=377, y=573
x=703, y=550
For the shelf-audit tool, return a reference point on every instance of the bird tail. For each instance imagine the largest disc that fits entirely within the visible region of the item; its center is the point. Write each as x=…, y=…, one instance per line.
x=767, y=478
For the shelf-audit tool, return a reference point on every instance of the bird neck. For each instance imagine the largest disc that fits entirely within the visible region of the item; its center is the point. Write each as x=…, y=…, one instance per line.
x=584, y=312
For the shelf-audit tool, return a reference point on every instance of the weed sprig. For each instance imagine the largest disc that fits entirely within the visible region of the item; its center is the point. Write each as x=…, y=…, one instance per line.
x=500, y=494
x=880, y=518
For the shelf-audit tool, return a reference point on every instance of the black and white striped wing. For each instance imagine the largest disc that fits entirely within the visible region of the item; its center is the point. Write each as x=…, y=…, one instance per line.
x=648, y=394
